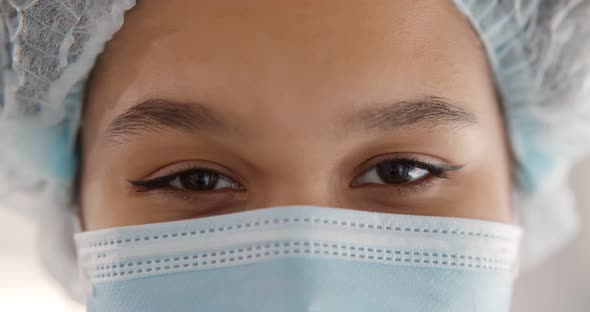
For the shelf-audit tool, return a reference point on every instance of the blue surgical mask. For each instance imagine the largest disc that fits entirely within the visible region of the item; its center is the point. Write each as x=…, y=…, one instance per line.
x=302, y=258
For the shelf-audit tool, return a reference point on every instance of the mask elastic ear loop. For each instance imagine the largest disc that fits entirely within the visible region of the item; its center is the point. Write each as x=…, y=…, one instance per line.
x=84, y=280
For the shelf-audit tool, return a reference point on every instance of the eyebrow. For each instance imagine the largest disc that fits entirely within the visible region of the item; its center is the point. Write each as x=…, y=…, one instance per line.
x=429, y=112
x=156, y=115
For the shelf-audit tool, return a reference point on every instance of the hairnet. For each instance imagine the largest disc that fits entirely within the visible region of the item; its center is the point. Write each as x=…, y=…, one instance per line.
x=48, y=47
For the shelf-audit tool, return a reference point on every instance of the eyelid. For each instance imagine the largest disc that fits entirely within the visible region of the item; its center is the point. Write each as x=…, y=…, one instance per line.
x=162, y=177
x=405, y=156
x=372, y=171
x=403, y=189
x=164, y=182
x=180, y=167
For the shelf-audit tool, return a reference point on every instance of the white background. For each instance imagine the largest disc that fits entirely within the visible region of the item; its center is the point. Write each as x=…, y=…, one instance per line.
x=562, y=284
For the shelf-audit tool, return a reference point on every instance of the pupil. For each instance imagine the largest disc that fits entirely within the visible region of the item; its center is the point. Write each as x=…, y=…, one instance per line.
x=199, y=180
x=394, y=172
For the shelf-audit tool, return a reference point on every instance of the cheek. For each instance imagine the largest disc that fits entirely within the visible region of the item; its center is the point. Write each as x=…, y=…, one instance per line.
x=104, y=206
x=93, y=205
x=102, y=202
x=487, y=192
x=486, y=196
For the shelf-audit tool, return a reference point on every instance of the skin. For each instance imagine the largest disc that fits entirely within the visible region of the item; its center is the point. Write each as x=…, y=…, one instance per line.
x=286, y=80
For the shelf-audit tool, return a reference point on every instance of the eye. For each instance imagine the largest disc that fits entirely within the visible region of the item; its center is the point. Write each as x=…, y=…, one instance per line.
x=201, y=180
x=195, y=180
x=399, y=171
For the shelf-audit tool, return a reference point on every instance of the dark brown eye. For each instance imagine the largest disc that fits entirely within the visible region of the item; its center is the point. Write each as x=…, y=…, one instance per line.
x=196, y=180
x=193, y=180
x=393, y=172
x=201, y=180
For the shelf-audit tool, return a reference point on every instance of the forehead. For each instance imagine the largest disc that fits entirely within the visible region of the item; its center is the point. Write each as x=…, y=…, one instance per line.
x=282, y=59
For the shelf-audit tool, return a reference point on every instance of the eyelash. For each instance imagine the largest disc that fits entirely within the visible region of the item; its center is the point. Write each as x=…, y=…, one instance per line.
x=166, y=181
x=434, y=172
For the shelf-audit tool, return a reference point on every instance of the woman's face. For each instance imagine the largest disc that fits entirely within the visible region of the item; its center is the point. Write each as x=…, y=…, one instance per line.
x=200, y=108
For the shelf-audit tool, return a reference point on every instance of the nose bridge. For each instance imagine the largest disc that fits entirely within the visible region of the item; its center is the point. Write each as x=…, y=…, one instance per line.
x=300, y=171
x=295, y=185
x=319, y=196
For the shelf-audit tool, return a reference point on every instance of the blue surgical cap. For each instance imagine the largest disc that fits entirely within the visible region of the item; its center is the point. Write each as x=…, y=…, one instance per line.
x=535, y=47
